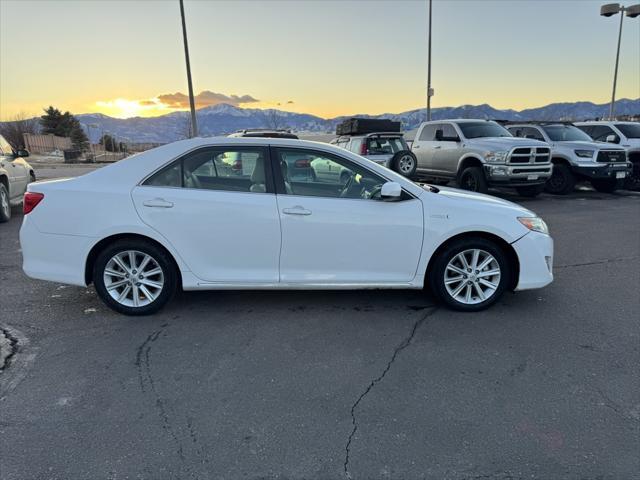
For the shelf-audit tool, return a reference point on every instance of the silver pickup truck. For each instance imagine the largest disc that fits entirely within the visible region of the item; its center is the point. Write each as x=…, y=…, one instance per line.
x=479, y=154
x=15, y=175
x=575, y=156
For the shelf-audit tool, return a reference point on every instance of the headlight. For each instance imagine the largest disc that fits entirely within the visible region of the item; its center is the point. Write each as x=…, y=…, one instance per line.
x=495, y=157
x=535, y=224
x=584, y=153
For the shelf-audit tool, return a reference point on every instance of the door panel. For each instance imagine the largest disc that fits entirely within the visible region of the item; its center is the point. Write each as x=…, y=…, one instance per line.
x=335, y=240
x=424, y=147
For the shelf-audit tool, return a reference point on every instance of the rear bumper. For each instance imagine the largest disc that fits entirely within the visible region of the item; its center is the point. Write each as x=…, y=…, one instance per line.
x=535, y=255
x=603, y=171
x=52, y=257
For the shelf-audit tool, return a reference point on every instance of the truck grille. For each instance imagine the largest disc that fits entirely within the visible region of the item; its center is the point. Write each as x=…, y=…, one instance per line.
x=522, y=155
x=608, y=156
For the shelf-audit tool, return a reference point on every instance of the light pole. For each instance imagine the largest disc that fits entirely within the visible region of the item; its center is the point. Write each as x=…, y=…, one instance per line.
x=609, y=10
x=429, y=89
x=192, y=103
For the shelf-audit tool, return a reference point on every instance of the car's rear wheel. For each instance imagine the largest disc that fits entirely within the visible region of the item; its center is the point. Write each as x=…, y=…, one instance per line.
x=470, y=274
x=404, y=163
x=472, y=178
x=561, y=181
x=134, y=277
x=5, y=206
x=530, y=191
x=607, y=185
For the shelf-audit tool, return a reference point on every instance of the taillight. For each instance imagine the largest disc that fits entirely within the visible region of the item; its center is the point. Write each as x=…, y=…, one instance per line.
x=363, y=148
x=302, y=163
x=31, y=201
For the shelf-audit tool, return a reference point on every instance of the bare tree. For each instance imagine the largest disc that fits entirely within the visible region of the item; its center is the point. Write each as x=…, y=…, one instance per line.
x=273, y=120
x=13, y=130
x=184, y=128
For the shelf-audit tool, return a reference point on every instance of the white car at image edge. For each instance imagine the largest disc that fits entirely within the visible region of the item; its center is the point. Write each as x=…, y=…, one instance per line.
x=178, y=217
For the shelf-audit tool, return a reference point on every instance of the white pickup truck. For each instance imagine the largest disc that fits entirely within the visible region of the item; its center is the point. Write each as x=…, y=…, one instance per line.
x=479, y=154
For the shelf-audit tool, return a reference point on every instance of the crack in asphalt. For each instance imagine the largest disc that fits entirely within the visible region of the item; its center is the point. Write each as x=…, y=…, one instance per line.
x=598, y=262
x=404, y=344
x=146, y=378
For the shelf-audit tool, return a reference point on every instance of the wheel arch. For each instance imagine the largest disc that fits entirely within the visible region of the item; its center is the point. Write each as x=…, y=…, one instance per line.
x=4, y=179
x=466, y=162
x=559, y=159
x=99, y=246
x=501, y=242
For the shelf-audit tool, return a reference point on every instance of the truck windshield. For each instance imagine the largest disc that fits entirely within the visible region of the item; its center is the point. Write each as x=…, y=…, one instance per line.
x=386, y=145
x=629, y=130
x=483, y=129
x=566, y=133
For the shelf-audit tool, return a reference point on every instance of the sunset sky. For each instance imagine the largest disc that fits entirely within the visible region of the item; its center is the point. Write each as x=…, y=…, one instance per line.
x=125, y=58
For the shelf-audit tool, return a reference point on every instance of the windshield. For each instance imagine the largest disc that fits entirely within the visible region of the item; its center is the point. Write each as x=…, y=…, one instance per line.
x=629, y=130
x=566, y=133
x=483, y=129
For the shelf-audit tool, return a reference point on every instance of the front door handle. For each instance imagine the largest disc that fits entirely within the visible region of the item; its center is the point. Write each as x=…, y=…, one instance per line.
x=158, y=203
x=415, y=147
x=297, y=210
x=437, y=147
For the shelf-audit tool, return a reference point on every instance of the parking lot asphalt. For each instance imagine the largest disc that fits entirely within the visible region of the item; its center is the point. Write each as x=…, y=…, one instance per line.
x=330, y=385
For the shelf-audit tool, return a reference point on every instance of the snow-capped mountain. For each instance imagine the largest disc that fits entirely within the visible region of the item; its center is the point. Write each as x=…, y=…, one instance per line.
x=222, y=119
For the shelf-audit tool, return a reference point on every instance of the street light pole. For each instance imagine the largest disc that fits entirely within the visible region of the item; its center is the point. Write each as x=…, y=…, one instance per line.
x=607, y=11
x=192, y=103
x=429, y=89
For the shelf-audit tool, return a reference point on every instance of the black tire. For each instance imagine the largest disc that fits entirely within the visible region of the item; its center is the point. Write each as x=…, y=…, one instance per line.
x=562, y=181
x=632, y=182
x=32, y=177
x=405, y=163
x=607, y=185
x=472, y=178
x=159, y=256
x=5, y=205
x=436, y=275
x=530, y=191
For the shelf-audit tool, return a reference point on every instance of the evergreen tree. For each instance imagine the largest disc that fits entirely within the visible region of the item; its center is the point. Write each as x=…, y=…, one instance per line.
x=64, y=125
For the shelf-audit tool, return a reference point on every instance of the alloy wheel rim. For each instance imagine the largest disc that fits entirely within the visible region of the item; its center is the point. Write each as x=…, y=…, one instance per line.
x=406, y=164
x=5, y=203
x=469, y=183
x=472, y=276
x=556, y=182
x=133, y=278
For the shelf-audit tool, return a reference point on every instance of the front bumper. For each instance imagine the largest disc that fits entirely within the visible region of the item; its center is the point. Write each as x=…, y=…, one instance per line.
x=535, y=255
x=517, y=175
x=603, y=171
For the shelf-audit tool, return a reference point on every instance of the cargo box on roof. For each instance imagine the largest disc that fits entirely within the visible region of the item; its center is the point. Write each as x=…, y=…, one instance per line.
x=359, y=126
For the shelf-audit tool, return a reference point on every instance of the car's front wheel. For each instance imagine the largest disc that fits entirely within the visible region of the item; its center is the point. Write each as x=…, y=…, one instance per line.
x=470, y=274
x=5, y=206
x=472, y=178
x=134, y=277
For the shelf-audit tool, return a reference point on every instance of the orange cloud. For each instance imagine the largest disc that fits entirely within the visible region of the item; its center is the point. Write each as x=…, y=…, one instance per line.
x=205, y=98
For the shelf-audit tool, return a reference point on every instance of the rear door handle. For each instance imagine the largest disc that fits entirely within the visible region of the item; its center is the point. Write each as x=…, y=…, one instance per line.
x=437, y=147
x=158, y=203
x=415, y=147
x=297, y=210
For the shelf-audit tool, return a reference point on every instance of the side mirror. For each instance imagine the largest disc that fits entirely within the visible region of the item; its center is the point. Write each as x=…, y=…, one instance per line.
x=612, y=139
x=391, y=191
x=22, y=153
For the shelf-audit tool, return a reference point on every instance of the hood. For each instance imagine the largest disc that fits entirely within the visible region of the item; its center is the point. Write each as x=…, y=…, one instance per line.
x=588, y=145
x=504, y=143
x=480, y=199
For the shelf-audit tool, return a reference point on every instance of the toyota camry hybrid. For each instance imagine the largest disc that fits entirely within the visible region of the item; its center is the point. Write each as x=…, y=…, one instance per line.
x=180, y=216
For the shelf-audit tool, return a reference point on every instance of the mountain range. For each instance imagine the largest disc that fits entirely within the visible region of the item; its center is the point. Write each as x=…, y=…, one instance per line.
x=223, y=118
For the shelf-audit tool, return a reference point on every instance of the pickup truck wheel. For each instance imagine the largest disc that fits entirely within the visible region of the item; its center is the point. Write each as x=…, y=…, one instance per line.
x=632, y=182
x=530, y=191
x=605, y=185
x=562, y=181
x=470, y=274
x=5, y=206
x=472, y=178
x=404, y=163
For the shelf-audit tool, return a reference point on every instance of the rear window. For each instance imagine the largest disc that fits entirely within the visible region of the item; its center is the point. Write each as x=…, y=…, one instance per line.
x=629, y=130
x=386, y=145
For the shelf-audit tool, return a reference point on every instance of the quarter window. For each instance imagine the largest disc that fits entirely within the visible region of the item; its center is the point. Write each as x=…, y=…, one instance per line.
x=232, y=169
x=601, y=132
x=316, y=174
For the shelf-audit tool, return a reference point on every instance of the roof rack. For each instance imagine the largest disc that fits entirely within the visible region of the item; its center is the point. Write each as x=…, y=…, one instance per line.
x=534, y=122
x=251, y=130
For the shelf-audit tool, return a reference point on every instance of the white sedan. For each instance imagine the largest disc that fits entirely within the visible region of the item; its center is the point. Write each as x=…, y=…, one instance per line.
x=178, y=217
